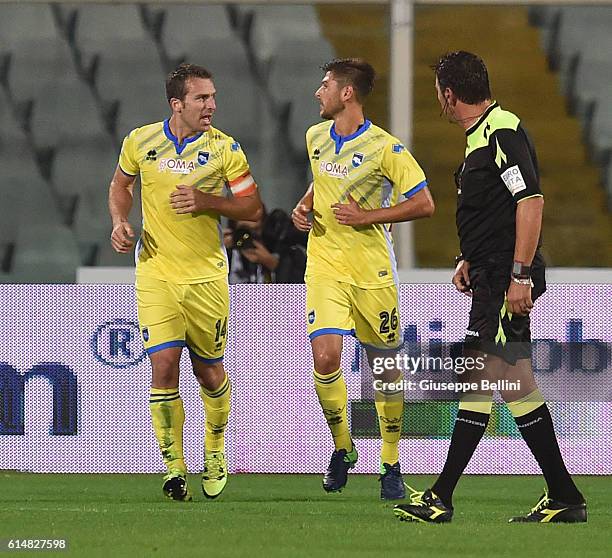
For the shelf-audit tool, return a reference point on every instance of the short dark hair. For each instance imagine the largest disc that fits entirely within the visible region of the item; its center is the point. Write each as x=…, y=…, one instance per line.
x=466, y=74
x=354, y=71
x=177, y=79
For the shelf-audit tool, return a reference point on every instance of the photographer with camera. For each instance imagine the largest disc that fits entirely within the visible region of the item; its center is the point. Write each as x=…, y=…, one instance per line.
x=270, y=250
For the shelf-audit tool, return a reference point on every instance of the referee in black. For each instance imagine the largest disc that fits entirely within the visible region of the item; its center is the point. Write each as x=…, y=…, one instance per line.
x=499, y=217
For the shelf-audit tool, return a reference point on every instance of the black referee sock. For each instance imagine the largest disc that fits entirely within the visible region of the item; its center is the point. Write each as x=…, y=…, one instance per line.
x=538, y=431
x=468, y=430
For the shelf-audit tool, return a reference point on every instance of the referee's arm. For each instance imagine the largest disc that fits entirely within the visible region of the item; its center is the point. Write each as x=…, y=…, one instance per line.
x=515, y=156
x=528, y=226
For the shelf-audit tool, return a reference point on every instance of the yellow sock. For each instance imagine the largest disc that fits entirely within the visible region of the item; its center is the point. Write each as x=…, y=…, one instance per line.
x=331, y=391
x=168, y=417
x=390, y=411
x=216, y=408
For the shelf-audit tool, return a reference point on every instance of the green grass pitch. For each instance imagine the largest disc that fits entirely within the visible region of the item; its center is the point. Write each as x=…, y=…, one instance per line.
x=289, y=515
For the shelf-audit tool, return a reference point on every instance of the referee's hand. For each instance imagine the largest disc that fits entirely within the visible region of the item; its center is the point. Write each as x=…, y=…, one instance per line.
x=461, y=278
x=519, y=299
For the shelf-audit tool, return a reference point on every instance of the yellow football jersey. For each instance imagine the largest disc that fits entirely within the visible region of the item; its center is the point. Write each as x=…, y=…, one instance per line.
x=375, y=169
x=182, y=248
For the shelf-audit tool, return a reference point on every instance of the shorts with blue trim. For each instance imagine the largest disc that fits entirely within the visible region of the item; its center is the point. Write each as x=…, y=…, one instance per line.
x=179, y=315
x=371, y=315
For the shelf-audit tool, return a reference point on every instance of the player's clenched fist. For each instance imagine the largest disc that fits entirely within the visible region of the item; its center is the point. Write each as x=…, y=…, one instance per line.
x=299, y=216
x=121, y=237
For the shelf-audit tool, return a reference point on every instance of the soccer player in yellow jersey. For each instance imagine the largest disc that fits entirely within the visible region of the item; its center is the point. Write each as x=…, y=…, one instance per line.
x=184, y=166
x=363, y=180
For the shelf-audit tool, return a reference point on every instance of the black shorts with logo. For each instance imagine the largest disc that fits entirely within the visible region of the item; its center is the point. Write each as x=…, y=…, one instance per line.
x=491, y=329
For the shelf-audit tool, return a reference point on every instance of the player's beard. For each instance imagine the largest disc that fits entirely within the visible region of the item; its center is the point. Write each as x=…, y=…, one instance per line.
x=331, y=110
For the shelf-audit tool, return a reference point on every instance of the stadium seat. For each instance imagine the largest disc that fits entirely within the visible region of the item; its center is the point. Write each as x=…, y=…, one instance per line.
x=547, y=18
x=45, y=253
x=273, y=25
x=65, y=113
x=296, y=73
x=601, y=128
x=130, y=72
x=86, y=167
x=101, y=25
x=186, y=26
x=591, y=83
x=18, y=175
x=578, y=26
x=16, y=20
x=63, y=108
x=45, y=248
x=45, y=59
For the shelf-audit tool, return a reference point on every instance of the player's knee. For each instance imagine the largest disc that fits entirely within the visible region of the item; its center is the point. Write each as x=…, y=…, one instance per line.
x=210, y=376
x=165, y=372
x=326, y=362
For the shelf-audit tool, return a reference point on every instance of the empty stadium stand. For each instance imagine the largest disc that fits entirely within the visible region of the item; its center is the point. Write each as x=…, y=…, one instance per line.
x=76, y=77
x=578, y=42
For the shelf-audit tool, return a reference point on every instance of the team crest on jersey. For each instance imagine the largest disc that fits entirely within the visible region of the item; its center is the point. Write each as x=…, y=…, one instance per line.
x=357, y=159
x=203, y=157
x=334, y=169
x=235, y=146
x=398, y=148
x=177, y=166
x=311, y=317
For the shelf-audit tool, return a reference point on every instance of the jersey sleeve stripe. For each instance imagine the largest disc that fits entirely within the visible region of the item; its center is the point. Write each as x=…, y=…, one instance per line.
x=413, y=191
x=243, y=186
x=529, y=197
x=126, y=173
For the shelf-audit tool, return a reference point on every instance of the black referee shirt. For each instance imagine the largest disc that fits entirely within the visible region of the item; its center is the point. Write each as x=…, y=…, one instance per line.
x=499, y=170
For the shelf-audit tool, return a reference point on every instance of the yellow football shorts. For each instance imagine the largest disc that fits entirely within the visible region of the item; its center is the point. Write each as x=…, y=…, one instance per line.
x=371, y=315
x=172, y=315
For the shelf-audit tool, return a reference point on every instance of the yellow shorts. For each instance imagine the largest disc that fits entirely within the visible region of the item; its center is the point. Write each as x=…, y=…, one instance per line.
x=195, y=316
x=371, y=315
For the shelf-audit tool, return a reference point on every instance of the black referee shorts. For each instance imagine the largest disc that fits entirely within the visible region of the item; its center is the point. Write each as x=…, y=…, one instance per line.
x=491, y=329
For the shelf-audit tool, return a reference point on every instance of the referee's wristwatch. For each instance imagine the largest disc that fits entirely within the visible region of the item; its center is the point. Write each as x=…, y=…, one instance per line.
x=458, y=259
x=521, y=273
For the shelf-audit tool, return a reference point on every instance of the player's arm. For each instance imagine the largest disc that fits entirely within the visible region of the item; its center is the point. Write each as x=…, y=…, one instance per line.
x=188, y=199
x=400, y=168
x=120, y=199
x=243, y=205
x=419, y=205
x=300, y=212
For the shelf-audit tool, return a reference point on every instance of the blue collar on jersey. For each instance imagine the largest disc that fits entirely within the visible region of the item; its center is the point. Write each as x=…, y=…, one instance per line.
x=339, y=140
x=178, y=146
